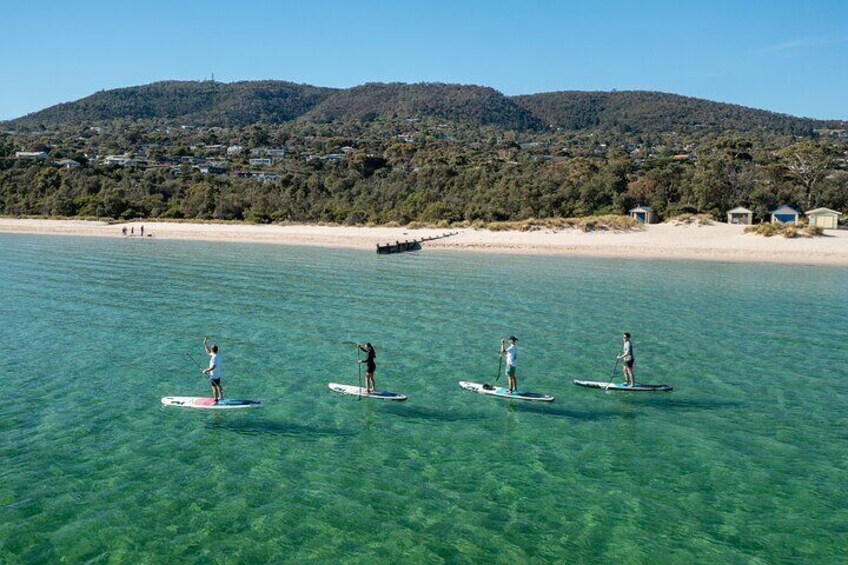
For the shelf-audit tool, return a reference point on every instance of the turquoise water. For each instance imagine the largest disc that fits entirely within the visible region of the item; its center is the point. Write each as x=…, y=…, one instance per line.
x=744, y=463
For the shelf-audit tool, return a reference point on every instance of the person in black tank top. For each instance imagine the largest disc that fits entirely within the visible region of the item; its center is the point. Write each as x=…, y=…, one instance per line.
x=370, y=366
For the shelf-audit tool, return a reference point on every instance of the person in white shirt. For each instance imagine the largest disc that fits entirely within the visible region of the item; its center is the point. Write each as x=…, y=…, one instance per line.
x=628, y=358
x=511, y=354
x=214, y=370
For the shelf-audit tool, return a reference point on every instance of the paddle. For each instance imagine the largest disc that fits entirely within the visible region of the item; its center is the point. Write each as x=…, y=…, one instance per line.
x=500, y=364
x=614, y=367
x=359, y=368
x=193, y=360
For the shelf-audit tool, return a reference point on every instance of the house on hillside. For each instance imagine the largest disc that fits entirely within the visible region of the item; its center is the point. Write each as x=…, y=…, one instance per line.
x=785, y=215
x=119, y=161
x=824, y=218
x=68, y=163
x=642, y=214
x=41, y=155
x=741, y=216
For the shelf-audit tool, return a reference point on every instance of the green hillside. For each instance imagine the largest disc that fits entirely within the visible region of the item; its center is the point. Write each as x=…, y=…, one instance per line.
x=197, y=103
x=656, y=112
x=473, y=105
x=208, y=103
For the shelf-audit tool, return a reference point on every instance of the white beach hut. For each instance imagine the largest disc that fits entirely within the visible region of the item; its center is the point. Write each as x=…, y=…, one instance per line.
x=741, y=216
x=824, y=218
x=642, y=214
x=784, y=215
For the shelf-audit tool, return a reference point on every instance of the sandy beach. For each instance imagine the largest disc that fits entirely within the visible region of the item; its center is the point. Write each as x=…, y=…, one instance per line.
x=717, y=242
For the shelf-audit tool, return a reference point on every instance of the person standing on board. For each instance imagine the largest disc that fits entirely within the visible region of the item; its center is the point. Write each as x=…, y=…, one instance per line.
x=214, y=370
x=629, y=359
x=370, y=367
x=511, y=354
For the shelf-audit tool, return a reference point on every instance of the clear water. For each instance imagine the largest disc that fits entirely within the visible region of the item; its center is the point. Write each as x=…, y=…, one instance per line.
x=744, y=463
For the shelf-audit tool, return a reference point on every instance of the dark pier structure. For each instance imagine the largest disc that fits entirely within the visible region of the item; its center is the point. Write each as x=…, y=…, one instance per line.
x=409, y=245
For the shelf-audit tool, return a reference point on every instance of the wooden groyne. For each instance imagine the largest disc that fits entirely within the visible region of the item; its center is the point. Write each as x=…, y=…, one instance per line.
x=409, y=245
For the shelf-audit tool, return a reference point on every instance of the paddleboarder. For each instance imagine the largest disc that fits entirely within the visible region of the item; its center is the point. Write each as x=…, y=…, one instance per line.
x=628, y=359
x=370, y=366
x=214, y=370
x=511, y=355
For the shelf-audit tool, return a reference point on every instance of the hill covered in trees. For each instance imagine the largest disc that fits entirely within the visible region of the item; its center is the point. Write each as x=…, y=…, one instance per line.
x=472, y=105
x=657, y=112
x=209, y=103
x=196, y=103
x=380, y=153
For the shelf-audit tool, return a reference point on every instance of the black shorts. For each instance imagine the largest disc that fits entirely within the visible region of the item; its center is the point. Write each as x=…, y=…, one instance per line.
x=629, y=363
x=370, y=368
x=216, y=382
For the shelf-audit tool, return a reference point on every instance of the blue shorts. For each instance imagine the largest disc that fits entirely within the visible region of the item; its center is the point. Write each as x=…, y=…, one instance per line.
x=510, y=370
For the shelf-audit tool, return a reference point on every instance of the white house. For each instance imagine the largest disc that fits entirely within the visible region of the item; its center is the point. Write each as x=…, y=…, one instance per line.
x=261, y=162
x=31, y=155
x=68, y=163
x=122, y=160
x=740, y=215
x=824, y=218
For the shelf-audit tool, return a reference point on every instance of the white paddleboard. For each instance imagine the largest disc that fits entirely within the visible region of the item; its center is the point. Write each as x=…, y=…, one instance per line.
x=361, y=391
x=503, y=392
x=622, y=387
x=209, y=403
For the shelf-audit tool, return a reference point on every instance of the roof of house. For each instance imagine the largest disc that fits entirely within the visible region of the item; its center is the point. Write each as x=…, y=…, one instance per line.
x=823, y=211
x=641, y=209
x=740, y=210
x=784, y=209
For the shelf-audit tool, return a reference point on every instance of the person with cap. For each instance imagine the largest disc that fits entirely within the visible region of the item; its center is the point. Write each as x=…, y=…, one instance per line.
x=511, y=355
x=214, y=370
x=628, y=358
x=370, y=367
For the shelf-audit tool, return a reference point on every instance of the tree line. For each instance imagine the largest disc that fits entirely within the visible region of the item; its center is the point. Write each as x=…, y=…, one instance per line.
x=395, y=170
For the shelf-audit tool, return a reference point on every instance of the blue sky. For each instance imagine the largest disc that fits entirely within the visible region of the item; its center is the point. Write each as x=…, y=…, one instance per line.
x=789, y=57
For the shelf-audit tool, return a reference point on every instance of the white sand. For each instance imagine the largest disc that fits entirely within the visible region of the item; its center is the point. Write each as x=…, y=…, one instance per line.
x=718, y=242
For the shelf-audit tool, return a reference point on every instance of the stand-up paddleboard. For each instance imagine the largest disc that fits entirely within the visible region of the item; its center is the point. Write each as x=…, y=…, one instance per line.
x=624, y=388
x=209, y=403
x=361, y=391
x=503, y=392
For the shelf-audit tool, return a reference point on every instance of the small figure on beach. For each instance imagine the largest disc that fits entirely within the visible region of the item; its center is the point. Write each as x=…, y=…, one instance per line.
x=142, y=231
x=214, y=370
x=124, y=231
x=132, y=231
x=370, y=366
x=628, y=358
x=511, y=355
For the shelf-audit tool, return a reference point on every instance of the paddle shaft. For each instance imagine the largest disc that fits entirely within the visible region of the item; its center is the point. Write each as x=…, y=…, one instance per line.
x=500, y=363
x=359, y=369
x=193, y=360
x=614, y=367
